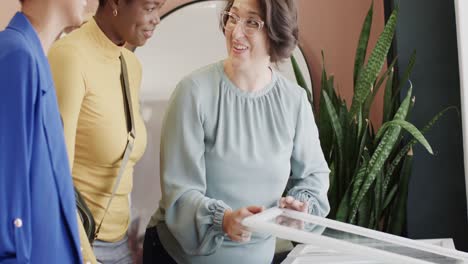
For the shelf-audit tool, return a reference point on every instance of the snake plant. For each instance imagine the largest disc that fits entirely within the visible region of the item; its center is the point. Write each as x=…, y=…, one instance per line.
x=370, y=168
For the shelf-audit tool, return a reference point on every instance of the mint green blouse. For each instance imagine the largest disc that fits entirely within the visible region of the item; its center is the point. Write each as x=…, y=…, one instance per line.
x=222, y=148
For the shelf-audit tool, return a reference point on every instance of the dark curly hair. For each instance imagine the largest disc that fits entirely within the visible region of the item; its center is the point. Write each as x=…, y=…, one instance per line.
x=281, y=25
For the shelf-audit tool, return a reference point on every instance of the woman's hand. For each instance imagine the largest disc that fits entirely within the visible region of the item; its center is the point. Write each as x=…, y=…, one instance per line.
x=290, y=203
x=232, y=223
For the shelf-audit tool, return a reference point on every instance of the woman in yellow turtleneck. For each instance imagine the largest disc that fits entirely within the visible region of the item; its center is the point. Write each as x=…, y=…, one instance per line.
x=86, y=69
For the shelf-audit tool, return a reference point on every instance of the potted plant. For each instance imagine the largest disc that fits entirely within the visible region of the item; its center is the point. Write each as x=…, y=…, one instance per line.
x=370, y=167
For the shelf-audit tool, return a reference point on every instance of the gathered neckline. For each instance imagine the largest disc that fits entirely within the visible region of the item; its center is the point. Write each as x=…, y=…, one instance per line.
x=248, y=94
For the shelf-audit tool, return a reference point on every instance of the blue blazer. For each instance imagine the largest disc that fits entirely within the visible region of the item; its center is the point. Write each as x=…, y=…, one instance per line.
x=38, y=220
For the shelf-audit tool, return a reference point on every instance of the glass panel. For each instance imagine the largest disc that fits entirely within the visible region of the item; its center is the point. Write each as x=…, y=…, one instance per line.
x=297, y=224
x=340, y=240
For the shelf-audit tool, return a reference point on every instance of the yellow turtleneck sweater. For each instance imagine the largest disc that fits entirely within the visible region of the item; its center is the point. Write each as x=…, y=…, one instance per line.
x=86, y=70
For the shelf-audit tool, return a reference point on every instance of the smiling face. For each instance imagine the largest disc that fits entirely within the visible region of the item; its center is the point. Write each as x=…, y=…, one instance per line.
x=245, y=50
x=137, y=20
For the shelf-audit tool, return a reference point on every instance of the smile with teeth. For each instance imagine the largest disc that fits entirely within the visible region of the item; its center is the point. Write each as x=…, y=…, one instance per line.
x=240, y=47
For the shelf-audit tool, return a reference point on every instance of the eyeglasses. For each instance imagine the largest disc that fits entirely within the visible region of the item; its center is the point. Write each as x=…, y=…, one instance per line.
x=249, y=26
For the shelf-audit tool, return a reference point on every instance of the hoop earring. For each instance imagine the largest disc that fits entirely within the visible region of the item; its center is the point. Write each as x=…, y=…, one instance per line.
x=115, y=12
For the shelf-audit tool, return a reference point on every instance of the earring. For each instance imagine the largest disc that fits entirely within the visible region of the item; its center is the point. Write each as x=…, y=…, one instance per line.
x=114, y=12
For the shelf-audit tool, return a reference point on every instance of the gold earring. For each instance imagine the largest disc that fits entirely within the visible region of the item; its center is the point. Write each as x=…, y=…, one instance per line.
x=114, y=12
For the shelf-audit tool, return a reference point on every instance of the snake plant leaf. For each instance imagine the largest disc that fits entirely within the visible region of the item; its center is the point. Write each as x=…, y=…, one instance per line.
x=334, y=119
x=334, y=97
x=300, y=79
x=324, y=122
x=371, y=97
x=363, y=43
x=353, y=160
x=410, y=128
x=360, y=125
x=366, y=217
x=404, y=150
x=389, y=197
x=381, y=154
x=376, y=60
x=359, y=181
x=403, y=109
x=378, y=193
x=406, y=75
x=388, y=109
x=342, y=159
x=390, y=69
x=324, y=80
x=378, y=158
x=399, y=213
x=363, y=142
x=344, y=206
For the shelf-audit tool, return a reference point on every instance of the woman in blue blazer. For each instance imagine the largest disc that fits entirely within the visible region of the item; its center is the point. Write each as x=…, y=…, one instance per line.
x=38, y=221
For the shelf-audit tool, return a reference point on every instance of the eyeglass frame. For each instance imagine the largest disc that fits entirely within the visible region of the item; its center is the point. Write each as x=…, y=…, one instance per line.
x=241, y=20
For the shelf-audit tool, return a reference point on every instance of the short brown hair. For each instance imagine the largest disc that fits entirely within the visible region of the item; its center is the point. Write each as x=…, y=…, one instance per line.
x=281, y=25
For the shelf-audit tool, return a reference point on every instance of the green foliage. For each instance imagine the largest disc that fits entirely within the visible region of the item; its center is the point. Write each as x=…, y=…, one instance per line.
x=369, y=171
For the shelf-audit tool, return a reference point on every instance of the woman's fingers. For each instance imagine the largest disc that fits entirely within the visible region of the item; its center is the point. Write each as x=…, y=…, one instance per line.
x=244, y=236
x=255, y=209
x=296, y=204
x=290, y=203
x=289, y=199
x=282, y=202
x=233, y=221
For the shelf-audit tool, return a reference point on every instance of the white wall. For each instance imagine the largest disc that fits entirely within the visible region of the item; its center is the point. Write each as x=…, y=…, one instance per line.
x=7, y=9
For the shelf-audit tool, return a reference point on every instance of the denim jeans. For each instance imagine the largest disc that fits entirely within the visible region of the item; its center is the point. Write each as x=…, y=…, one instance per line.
x=113, y=252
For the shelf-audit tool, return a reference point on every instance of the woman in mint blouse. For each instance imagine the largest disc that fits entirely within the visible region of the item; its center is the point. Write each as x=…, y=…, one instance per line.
x=235, y=135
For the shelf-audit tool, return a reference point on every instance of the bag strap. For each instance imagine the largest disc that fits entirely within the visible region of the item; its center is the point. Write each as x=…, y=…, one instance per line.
x=130, y=137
